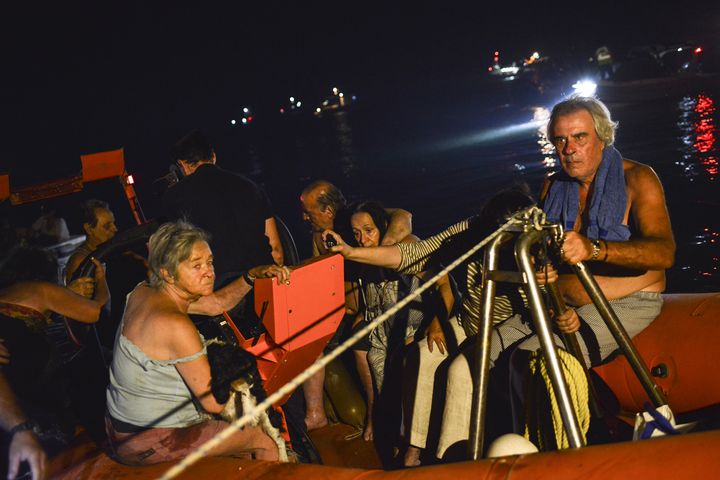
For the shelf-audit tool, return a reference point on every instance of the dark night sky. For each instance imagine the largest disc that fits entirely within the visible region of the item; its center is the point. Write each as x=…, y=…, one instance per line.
x=84, y=76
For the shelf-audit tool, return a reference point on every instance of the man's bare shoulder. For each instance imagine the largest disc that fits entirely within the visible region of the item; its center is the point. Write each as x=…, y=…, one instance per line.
x=410, y=238
x=639, y=175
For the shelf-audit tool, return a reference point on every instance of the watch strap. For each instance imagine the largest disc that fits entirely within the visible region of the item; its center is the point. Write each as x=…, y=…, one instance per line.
x=22, y=427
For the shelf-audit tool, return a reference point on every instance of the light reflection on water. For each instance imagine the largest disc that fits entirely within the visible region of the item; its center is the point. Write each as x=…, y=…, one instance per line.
x=541, y=115
x=697, y=136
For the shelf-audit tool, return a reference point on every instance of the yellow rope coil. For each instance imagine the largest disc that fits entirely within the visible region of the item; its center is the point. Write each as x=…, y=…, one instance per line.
x=578, y=388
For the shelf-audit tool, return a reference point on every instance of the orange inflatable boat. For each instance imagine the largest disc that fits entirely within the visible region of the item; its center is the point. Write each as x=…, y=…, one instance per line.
x=678, y=347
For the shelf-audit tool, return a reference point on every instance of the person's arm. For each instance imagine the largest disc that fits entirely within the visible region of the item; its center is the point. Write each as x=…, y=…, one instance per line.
x=352, y=298
x=229, y=296
x=653, y=248
x=271, y=232
x=183, y=340
x=400, y=226
x=384, y=256
x=23, y=444
x=70, y=302
x=435, y=334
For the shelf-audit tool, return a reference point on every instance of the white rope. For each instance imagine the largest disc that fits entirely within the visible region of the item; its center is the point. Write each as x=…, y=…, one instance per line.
x=238, y=424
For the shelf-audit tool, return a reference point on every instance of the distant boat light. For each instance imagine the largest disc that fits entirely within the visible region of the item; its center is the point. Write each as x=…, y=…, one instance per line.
x=299, y=104
x=585, y=88
x=233, y=122
x=244, y=121
x=698, y=50
x=292, y=99
x=246, y=110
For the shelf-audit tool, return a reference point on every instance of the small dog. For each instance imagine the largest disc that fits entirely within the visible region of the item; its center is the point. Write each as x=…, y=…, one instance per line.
x=236, y=383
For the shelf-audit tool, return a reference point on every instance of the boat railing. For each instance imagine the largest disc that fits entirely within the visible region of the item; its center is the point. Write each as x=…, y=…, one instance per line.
x=533, y=230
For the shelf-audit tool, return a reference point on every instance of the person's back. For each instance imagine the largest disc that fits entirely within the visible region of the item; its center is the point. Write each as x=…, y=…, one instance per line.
x=232, y=209
x=229, y=206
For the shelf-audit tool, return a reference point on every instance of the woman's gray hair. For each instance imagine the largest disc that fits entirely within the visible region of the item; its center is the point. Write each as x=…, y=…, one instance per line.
x=170, y=245
x=604, y=125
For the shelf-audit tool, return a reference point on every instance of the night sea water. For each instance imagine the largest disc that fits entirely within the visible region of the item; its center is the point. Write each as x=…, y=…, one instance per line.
x=440, y=149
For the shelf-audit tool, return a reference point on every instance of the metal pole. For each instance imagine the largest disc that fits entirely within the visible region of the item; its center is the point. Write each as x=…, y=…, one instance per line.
x=481, y=365
x=573, y=346
x=544, y=334
x=620, y=334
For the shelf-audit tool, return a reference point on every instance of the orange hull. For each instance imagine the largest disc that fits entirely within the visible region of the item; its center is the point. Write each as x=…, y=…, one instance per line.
x=688, y=456
x=683, y=337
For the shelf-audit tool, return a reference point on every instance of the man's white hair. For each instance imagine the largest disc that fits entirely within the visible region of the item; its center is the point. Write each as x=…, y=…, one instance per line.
x=604, y=125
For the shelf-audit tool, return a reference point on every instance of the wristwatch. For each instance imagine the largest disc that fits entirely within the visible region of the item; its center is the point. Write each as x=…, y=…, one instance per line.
x=595, y=249
x=22, y=427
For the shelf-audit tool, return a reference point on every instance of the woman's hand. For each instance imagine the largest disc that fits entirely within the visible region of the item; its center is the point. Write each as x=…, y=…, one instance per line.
x=568, y=322
x=269, y=271
x=84, y=286
x=436, y=335
x=339, y=244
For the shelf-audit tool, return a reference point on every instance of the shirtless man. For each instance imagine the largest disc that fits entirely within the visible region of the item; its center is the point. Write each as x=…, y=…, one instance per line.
x=638, y=241
x=321, y=201
x=615, y=218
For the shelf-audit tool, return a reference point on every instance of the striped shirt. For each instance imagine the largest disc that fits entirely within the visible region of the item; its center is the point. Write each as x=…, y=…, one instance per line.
x=508, y=300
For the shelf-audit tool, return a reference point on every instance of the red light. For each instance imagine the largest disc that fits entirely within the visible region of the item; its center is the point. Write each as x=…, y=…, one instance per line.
x=698, y=50
x=282, y=110
x=489, y=69
x=497, y=53
x=249, y=119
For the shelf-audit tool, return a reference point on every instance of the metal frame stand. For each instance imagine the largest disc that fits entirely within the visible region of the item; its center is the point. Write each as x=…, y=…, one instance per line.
x=534, y=232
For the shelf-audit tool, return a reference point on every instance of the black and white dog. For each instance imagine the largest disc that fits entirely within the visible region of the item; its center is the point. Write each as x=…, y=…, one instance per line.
x=236, y=383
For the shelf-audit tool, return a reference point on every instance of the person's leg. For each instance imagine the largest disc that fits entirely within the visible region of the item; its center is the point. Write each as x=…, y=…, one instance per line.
x=156, y=445
x=249, y=440
x=635, y=312
x=363, y=368
x=458, y=400
x=418, y=402
x=314, y=406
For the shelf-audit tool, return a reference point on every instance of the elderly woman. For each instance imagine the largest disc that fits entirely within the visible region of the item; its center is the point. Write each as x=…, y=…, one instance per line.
x=160, y=375
x=380, y=290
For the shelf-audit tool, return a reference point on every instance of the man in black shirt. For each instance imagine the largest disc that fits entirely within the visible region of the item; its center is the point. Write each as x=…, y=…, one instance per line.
x=231, y=207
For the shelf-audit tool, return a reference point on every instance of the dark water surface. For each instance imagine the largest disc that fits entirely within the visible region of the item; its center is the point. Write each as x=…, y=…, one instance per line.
x=440, y=149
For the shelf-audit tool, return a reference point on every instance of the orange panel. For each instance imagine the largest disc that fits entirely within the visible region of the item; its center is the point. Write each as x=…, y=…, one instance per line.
x=300, y=319
x=684, y=338
x=4, y=187
x=97, y=166
x=308, y=309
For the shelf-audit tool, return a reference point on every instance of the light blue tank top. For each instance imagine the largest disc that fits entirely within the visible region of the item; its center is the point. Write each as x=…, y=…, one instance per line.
x=146, y=392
